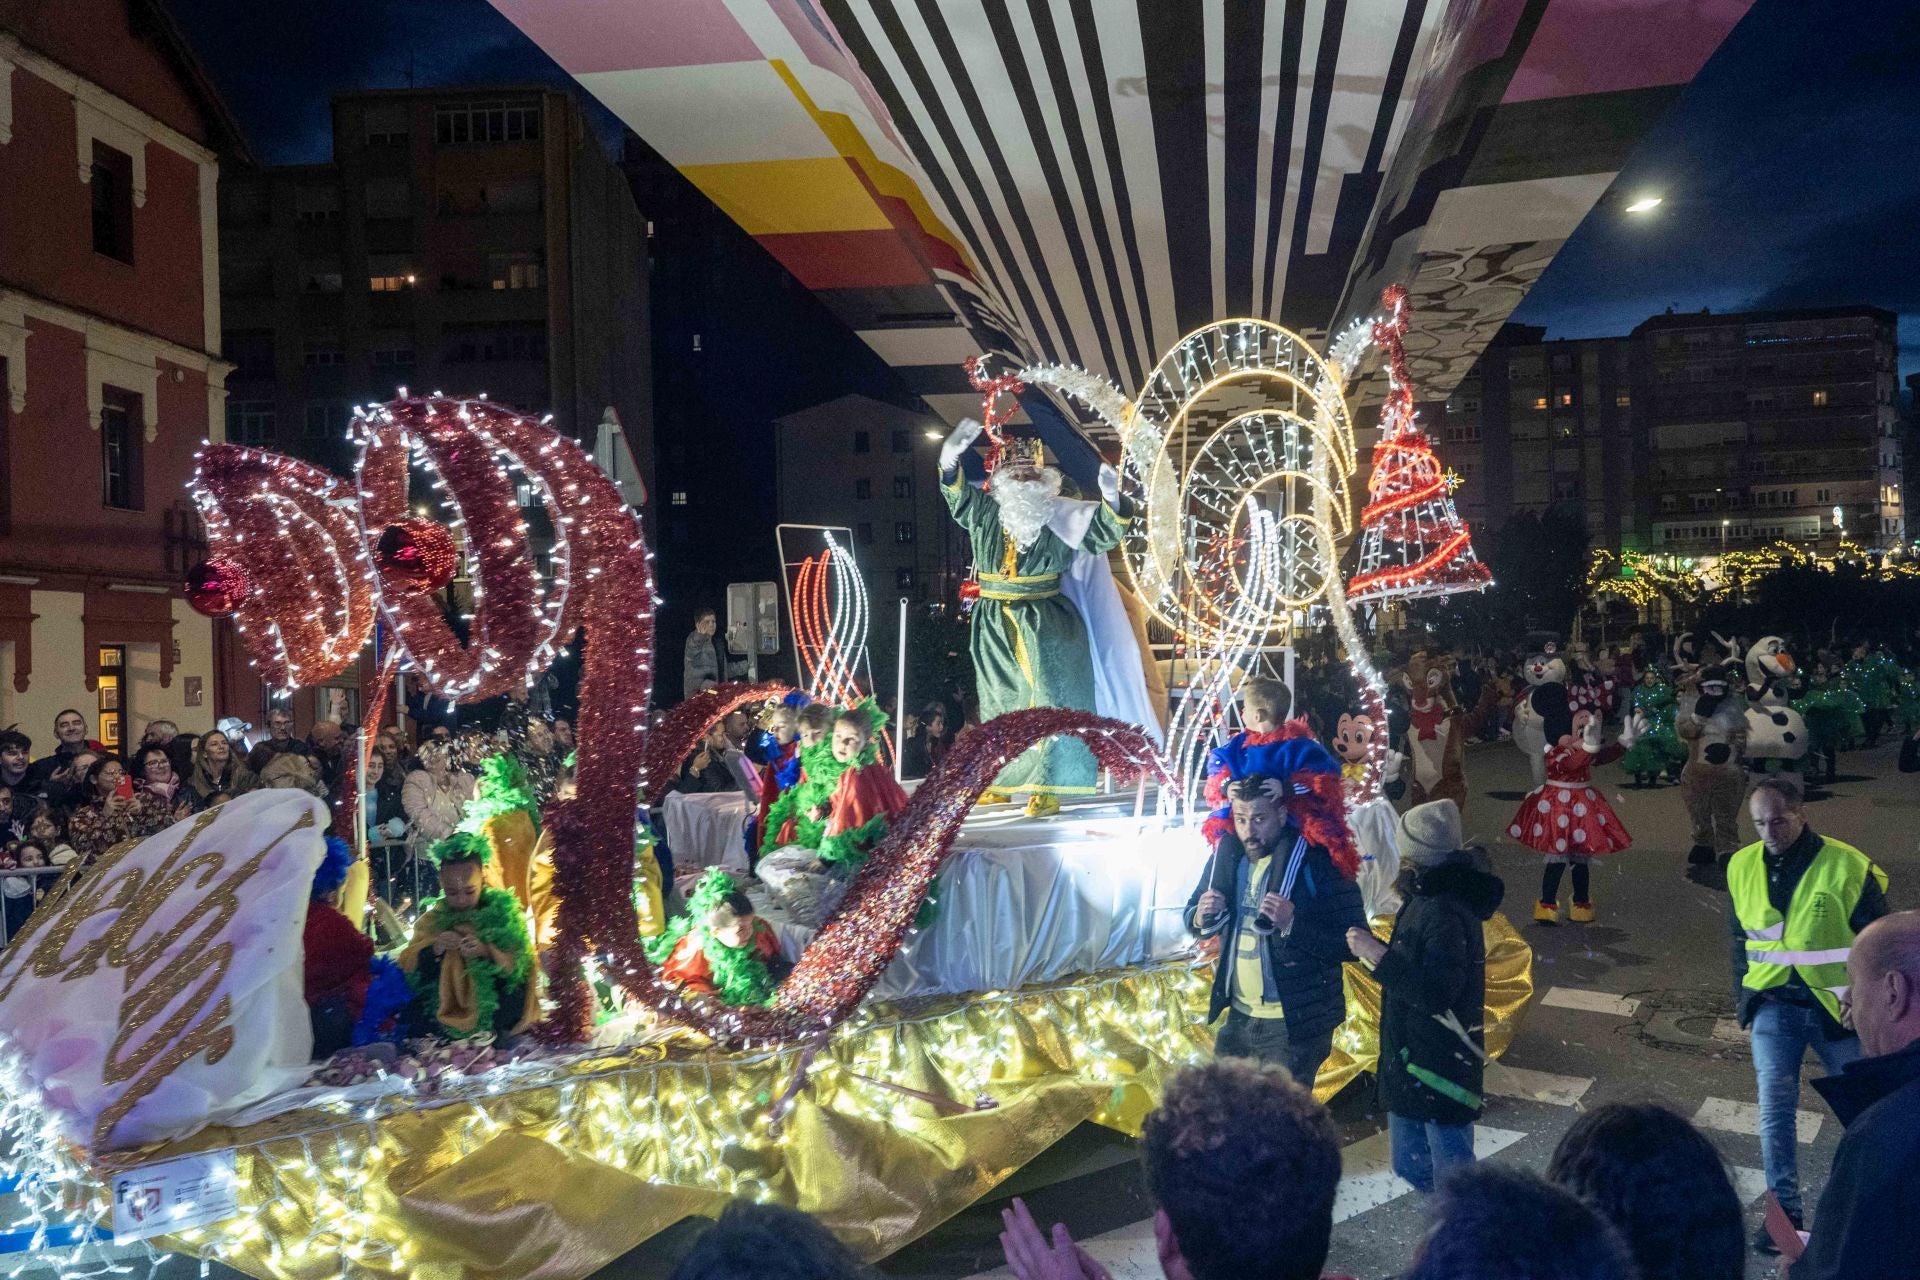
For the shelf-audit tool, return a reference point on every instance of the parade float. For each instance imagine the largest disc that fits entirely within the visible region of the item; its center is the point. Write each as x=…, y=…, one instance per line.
x=155, y=1044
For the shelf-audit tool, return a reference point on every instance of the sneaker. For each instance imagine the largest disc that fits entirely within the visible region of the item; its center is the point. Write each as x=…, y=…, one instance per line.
x=1582, y=913
x=1546, y=913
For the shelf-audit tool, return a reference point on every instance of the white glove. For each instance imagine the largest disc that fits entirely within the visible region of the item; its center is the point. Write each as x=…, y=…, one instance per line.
x=1110, y=484
x=957, y=441
x=1394, y=763
x=1634, y=728
x=396, y=827
x=1593, y=735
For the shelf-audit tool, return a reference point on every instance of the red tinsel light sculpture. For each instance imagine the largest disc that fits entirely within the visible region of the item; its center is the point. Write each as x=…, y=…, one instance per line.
x=214, y=588
x=289, y=528
x=675, y=737
x=415, y=557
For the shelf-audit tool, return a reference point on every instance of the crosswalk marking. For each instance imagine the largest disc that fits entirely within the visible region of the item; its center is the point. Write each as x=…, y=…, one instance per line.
x=1367, y=1181
x=1744, y=1117
x=1503, y=1081
x=1589, y=1001
x=1748, y=1184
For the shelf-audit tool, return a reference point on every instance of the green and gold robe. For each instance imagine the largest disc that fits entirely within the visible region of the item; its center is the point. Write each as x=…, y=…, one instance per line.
x=1029, y=643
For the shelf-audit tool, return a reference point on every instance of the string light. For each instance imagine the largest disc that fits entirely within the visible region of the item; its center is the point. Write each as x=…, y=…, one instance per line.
x=1413, y=544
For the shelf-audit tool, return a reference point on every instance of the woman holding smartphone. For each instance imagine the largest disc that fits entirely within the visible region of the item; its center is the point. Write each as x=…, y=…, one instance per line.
x=110, y=812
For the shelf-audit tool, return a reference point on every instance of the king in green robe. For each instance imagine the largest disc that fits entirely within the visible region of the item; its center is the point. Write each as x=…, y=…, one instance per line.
x=1029, y=644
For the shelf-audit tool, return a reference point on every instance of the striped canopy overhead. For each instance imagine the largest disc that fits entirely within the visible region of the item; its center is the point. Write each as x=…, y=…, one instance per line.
x=1087, y=180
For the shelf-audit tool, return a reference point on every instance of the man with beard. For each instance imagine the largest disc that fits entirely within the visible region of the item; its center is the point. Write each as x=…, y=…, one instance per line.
x=1029, y=643
x=1281, y=907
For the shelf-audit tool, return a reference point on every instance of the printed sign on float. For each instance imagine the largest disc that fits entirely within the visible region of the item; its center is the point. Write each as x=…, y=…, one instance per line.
x=174, y=1195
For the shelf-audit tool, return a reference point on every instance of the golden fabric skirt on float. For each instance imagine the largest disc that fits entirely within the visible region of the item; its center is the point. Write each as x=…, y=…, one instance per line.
x=904, y=1117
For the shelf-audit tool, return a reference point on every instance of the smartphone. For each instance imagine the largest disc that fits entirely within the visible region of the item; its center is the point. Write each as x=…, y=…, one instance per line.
x=125, y=789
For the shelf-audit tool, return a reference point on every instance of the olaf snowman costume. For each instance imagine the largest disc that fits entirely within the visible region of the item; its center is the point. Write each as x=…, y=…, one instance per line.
x=1529, y=721
x=1775, y=731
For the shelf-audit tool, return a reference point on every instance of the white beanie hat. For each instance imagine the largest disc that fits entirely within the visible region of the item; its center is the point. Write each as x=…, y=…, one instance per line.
x=1431, y=833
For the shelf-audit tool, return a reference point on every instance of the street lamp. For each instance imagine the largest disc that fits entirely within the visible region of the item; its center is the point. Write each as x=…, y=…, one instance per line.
x=1645, y=204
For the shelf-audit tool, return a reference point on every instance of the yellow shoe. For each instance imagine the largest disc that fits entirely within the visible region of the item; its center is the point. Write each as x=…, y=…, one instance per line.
x=1582, y=913
x=1041, y=805
x=1546, y=913
x=991, y=796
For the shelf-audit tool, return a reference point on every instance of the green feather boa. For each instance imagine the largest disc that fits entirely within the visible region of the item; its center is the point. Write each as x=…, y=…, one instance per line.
x=739, y=974
x=504, y=788
x=498, y=921
x=820, y=779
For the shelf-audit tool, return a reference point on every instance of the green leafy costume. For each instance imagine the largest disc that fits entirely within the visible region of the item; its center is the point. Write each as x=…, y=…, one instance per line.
x=1029, y=644
x=1660, y=746
x=1875, y=678
x=1835, y=718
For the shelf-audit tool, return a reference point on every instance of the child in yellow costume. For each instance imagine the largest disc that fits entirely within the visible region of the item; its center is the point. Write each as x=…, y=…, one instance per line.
x=470, y=961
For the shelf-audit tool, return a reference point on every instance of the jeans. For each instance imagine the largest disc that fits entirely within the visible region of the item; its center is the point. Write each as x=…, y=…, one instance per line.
x=1267, y=1040
x=1781, y=1036
x=1424, y=1151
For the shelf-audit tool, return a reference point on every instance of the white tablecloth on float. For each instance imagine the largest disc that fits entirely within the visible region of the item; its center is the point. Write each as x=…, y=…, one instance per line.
x=1024, y=902
x=704, y=830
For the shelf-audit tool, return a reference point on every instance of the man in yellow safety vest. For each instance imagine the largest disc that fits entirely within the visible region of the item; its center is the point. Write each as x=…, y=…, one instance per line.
x=1798, y=900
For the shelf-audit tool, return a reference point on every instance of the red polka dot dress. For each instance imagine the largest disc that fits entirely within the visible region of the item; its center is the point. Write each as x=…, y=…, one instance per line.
x=1568, y=817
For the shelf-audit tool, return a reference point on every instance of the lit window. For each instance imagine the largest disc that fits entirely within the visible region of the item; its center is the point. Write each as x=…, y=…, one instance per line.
x=1540, y=402
x=1820, y=399
x=1566, y=399
x=1622, y=399
x=903, y=531
x=679, y=498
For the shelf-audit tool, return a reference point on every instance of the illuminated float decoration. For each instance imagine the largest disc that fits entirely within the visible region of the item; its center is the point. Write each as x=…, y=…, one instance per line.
x=391, y=1175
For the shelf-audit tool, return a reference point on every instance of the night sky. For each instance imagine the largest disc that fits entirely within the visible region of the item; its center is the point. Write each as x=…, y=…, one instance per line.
x=1788, y=169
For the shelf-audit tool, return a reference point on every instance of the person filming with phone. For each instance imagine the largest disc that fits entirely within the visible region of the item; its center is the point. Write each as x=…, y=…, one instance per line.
x=1281, y=907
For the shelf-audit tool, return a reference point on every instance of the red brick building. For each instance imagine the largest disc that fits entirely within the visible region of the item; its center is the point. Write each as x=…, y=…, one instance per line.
x=110, y=375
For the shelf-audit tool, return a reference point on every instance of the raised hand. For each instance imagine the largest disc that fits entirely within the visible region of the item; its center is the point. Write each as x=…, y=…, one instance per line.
x=956, y=443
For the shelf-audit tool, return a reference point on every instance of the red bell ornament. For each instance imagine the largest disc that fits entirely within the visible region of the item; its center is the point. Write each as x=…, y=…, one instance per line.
x=415, y=557
x=216, y=587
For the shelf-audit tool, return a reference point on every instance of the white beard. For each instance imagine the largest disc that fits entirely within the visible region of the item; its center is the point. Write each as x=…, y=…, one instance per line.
x=1026, y=505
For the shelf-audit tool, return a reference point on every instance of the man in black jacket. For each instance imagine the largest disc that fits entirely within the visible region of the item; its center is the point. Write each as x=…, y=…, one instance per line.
x=1282, y=910
x=1864, y=1228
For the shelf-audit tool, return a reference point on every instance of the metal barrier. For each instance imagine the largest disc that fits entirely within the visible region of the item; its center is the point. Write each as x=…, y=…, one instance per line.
x=14, y=910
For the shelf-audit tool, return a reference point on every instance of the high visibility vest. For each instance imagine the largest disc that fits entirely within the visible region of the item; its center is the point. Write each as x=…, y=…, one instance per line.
x=1816, y=934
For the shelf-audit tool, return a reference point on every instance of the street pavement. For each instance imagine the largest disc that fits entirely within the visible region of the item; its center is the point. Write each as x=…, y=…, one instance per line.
x=1634, y=1007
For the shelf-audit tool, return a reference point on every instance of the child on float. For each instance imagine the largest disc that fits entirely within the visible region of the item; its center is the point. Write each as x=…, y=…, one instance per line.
x=721, y=946
x=1567, y=818
x=820, y=831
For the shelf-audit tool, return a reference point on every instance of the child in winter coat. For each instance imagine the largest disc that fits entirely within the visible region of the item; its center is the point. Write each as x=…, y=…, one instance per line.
x=1433, y=984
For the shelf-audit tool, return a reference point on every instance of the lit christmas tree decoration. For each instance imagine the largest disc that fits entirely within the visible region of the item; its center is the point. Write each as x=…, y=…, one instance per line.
x=1413, y=544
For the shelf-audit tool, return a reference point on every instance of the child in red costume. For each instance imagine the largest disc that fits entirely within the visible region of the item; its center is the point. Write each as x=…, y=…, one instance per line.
x=338, y=966
x=845, y=798
x=735, y=956
x=1567, y=818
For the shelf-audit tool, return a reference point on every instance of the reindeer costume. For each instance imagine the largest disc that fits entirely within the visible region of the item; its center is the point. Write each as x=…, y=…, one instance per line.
x=1439, y=727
